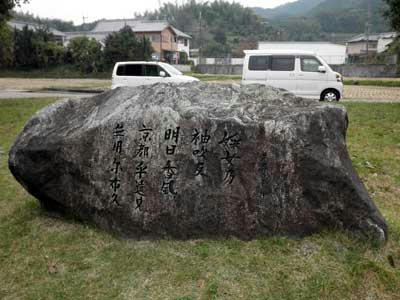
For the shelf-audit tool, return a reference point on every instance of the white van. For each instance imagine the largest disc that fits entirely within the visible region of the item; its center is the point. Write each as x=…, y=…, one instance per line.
x=305, y=74
x=135, y=73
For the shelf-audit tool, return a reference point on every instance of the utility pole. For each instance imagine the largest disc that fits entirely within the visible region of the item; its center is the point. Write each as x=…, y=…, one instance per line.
x=200, y=38
x=159, y=7
x=368, y=27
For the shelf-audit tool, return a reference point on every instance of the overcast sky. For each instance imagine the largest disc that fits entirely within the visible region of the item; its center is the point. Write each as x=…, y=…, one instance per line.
x=75, y=10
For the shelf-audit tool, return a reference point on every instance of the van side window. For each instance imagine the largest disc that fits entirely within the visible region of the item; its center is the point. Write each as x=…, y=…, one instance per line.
x=310, y=64
x=259, y=63
x=282, y=63
x=152, y=70
x=130, y=70
x=121, y=70
x=161, y=69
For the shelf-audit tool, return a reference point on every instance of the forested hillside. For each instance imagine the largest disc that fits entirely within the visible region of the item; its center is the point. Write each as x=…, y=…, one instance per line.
x=321, y=19
x=58, y=24
x=350, y=15
x=298, y=8
x=219, y=28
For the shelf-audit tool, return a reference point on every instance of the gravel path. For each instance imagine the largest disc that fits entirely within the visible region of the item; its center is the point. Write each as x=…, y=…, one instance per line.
x=18, y=87
x=375, y=93
x=15, y=94
x=35, y=84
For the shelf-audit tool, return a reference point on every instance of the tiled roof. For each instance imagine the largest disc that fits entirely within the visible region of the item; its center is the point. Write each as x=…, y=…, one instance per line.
x=136, y=25
x=180, y=33
x=32, y=26
x=372, y=37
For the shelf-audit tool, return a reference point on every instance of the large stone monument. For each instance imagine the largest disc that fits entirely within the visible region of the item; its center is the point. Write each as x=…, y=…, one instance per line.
x=196, y=160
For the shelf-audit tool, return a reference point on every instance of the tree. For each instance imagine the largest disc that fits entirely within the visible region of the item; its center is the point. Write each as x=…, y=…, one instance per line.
x=36, y=49
x=123, y=45
x=393, y=13
x=220, y=22
x=183, y=58
x=6, y=46
x=86, y=54
x=24, y=48
x=6, y=7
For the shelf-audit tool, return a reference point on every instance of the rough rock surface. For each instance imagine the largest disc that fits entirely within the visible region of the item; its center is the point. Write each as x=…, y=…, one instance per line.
x=196, y=160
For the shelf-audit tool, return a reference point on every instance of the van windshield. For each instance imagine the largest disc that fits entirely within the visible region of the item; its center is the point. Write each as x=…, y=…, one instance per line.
x=322, y=60
x=170, y=69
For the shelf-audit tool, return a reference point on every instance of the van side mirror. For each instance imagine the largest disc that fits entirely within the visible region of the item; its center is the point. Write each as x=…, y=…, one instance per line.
x=163, y=74
x=322, y=69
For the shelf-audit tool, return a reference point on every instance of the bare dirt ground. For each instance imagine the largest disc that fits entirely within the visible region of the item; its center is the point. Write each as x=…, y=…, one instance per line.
x=38, y=84
x=14, y=88
x=362, y=93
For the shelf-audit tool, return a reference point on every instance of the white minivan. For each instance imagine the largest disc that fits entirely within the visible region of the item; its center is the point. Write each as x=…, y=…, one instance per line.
x=305, y=74
x=135, y=73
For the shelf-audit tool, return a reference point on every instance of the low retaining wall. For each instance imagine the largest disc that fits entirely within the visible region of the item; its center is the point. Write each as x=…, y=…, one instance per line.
x=183, y=68
x=367, y=71
x=350, y=70
x=220, y=69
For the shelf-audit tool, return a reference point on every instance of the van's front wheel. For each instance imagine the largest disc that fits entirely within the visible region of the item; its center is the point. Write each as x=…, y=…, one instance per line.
x=330, y=96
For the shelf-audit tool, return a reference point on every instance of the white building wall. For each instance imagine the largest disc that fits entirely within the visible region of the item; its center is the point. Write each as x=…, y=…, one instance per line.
x=182, y=47
x=333, y=54
x=383, y=44
x=100, y=37
x=195, y=60
x=237, y=61
x=210, y=61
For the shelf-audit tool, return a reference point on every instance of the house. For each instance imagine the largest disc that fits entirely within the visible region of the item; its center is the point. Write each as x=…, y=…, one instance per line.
x=167, y=41
x=58, y=36
x=333, y=54
x=377, y=43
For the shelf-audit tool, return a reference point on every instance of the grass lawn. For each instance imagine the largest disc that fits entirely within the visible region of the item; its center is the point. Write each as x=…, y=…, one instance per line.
x=43, y=256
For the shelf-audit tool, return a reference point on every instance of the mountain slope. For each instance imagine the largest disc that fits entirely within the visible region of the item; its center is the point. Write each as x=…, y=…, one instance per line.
x=297, y=8
x=350, y=15
x=327, y=16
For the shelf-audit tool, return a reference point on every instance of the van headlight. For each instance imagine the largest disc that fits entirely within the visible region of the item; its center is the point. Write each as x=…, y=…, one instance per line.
x=339, y=78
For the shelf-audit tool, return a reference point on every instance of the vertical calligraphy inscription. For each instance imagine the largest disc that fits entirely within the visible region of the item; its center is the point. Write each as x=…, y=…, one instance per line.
x=116, y=168
x=200, y=141
x=230, y=144
x=143, y=150
x=170, y=171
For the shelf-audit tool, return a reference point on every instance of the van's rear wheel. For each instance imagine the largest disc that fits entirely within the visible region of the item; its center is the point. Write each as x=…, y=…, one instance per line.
x=330, y=96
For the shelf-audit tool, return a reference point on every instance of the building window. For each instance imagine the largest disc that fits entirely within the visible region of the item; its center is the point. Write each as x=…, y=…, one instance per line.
x=185, y=41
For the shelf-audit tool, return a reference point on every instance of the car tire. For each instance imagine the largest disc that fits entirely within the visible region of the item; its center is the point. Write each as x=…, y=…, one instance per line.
x=330, y=96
